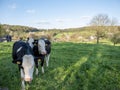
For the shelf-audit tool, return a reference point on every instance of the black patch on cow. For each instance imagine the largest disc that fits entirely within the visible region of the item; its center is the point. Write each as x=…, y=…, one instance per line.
x=35, y=48
x=17, y=55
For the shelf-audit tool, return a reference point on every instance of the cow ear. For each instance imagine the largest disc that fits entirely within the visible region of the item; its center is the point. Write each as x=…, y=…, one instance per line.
x=18, y=62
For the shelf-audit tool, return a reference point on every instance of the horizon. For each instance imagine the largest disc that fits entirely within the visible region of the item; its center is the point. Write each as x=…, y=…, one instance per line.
x=56, y=14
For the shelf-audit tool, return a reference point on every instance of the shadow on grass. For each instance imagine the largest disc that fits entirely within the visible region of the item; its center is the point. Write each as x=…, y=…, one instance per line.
x=73, y=66
x=88, y=67
x=9, y=74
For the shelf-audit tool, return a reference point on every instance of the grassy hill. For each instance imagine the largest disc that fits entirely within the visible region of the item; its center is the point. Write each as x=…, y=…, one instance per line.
x=73, y=66
x=82, y=34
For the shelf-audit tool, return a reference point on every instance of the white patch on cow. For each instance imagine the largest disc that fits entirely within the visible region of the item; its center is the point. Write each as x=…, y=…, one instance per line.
x=19, y=49
x=45, y=39
x=28, y=65
x=30, y=41
x=47, y=59
x=41, y=46
x=42, y=69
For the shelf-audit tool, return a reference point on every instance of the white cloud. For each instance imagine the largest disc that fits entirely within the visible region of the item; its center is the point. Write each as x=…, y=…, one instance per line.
x=13, y=6
x=43, y=22
x=60, y=20
x=86, y=17
x=63, y=20
x=30, y=11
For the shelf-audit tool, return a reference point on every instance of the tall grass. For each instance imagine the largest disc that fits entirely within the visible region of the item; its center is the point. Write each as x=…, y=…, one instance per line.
x=73, y=66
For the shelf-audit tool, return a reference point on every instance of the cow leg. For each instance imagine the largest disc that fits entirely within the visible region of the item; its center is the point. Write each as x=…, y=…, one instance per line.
x=22, y=78
x=47, y=59
x=42, y=62
x=36, y=64
x=42, y=69
x=36, y=71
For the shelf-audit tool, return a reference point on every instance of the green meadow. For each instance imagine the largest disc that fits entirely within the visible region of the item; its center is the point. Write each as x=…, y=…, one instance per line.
x=72, y=66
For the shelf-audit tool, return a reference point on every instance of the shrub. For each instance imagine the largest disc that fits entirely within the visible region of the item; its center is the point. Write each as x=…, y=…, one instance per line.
x=116, y=38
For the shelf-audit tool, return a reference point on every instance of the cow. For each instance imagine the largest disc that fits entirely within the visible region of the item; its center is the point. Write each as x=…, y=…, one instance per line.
x=41, y=50
x=22, y=55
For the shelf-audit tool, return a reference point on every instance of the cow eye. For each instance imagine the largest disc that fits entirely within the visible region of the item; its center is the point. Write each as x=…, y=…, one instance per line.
x=32, y=66
x=39, y=46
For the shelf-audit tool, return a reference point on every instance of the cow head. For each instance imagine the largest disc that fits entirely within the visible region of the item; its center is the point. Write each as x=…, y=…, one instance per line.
x=40, y=44
x=28, y=67
x=41, y=47
x=35, y=43
x=30, y=42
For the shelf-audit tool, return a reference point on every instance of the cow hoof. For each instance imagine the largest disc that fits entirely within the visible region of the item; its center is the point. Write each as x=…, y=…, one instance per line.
x=43, y=72
x=36, y=73
x=23, y=88
x=47, y=65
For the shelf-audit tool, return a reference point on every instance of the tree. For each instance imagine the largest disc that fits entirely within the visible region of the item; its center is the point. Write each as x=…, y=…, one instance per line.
x=99, y=22
x=116, y=37
x=2, y=31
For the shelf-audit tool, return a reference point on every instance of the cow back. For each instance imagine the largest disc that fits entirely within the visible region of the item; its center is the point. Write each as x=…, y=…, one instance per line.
x=20, y=49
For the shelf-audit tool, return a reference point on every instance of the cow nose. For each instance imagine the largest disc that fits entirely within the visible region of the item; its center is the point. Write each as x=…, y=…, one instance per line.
x=28, y=79
x=44, y=53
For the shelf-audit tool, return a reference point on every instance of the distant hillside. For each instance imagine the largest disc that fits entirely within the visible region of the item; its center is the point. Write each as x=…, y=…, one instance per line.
x=32, y=29
x=19, y=28
x=82, y=34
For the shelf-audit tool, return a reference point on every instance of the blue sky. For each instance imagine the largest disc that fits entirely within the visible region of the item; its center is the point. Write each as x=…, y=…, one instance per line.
x=56, y=13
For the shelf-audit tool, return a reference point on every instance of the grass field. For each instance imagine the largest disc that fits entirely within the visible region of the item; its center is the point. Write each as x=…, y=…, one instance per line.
x=73, y=66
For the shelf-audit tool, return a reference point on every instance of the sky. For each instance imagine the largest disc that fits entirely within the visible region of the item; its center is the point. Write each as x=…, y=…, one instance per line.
x=57, y=14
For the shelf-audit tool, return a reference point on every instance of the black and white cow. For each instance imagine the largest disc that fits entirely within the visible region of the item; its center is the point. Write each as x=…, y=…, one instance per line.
x=22, y=55
x=41, y=49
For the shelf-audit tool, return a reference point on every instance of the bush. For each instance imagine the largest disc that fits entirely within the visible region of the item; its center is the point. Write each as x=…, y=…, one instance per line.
x=116, y=38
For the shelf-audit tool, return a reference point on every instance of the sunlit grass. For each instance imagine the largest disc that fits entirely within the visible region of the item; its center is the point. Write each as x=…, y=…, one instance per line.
x=73, y=66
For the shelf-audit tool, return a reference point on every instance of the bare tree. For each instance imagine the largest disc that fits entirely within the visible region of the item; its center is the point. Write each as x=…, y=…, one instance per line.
x=99, y=22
